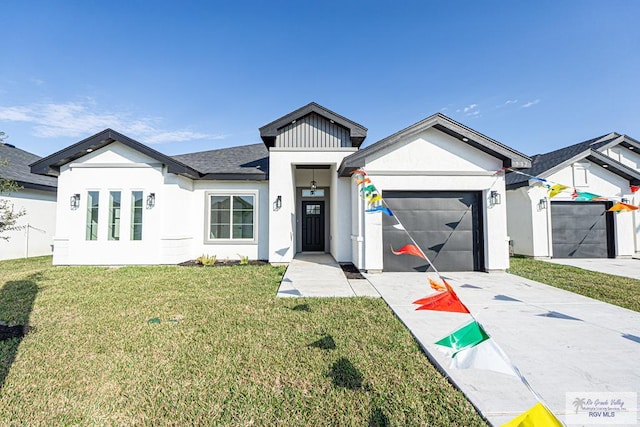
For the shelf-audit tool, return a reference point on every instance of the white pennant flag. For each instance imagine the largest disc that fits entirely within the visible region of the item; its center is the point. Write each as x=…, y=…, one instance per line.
x=398, y=226
x=486, y=355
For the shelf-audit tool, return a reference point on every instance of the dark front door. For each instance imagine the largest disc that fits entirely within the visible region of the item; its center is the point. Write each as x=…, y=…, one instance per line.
x=446, y=225
x=313, y=226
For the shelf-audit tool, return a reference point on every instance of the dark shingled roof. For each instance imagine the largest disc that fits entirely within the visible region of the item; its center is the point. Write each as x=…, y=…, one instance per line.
x=18, y=169
x=541, y=163
x=249, y=162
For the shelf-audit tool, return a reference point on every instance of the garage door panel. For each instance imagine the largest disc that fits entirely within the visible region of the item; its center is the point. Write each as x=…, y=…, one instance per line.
x=446, y=225
x=581, y=230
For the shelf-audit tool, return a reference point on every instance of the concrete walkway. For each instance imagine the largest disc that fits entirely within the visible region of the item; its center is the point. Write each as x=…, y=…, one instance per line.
x=319, y=275
x=561, y=342
x=618, y=267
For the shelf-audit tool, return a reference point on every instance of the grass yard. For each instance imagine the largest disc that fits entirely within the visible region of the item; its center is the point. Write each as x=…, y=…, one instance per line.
x=225, y=352
x=621, y=291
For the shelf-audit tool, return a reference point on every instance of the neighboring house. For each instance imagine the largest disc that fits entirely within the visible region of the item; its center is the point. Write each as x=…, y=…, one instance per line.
x=564, y=227
x=34, y=231
x=130, y=204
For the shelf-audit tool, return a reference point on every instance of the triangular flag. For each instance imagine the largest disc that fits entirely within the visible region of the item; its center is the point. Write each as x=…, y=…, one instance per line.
x=375, y=198
x=537, y=415
x=382, y=209
x=584, y=196
x=358, y=172
x=486, y=355
x=436, y=286
x=500, y=170
x=620, y=207
x=556, y=189
x=635, y=188
x=368, y=189
x=445, y=301
x=409, y=250
x=363, y=181
x=398, y=226
x=469, y=335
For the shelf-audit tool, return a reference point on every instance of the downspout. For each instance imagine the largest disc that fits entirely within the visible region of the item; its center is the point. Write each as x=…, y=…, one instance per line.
x=359, y=238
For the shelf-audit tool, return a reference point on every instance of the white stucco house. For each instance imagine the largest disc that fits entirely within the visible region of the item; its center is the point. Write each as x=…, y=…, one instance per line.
x=565, y=226
x=33, y=233
x=121, y=202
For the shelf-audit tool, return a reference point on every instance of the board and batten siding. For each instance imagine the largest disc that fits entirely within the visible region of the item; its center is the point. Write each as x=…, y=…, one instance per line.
x=313, y=131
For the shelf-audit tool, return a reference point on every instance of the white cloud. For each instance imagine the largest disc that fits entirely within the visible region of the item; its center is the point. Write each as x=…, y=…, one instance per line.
x=468, y=108
x=511, y=101
x=531, y=103
x=78, y=119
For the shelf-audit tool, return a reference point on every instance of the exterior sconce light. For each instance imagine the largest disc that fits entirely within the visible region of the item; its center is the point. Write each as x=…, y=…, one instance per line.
x=74, y=201
x=494, y=198
x=625, y=200
x=542, y=204
x=151, y=200
x=277, y=204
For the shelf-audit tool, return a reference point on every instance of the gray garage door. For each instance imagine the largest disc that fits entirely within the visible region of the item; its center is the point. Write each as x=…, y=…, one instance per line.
x=446, y=225
x=582, y=230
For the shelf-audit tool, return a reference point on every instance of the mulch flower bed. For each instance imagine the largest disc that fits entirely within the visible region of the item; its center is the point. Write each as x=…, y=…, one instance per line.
x=18, y=331
x=351, y=271
x=223, y=263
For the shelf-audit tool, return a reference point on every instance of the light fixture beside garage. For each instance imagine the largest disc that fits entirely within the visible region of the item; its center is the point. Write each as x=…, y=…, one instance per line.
x=494, y=198
x=74, y=202
x=542, y=204
x=151, y=200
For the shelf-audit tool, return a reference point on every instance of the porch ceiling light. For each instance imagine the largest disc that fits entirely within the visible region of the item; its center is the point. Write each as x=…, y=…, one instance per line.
x=74, y=201
x=494, y=198
x=314, y=184
x=151, y=200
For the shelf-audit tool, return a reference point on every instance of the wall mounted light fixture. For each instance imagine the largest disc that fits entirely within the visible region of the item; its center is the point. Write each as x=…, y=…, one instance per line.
x=494, y=198
x=314, y=184
x=542, y=204
x=624, y=200
x=74, y=201
x=151, y=200
x=277, y=204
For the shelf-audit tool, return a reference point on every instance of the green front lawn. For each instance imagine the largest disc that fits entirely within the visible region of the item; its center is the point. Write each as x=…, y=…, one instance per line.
x=226, y=351
x=617, y=290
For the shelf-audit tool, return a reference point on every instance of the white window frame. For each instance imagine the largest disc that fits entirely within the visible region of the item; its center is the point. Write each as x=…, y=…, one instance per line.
x=230, y=240
x=580, y=171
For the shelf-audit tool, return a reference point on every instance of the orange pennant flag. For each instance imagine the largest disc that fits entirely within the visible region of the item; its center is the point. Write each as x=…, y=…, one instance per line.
x=436, y=286
x=445, y=301
x=409, y=250
x=363, y=181
x=622, y=207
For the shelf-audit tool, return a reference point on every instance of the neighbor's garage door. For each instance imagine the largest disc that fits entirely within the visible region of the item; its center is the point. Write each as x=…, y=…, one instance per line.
x=582, y=230
x=446, y=225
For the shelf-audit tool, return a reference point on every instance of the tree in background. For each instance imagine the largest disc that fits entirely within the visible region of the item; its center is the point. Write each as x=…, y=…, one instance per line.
x=8, y=216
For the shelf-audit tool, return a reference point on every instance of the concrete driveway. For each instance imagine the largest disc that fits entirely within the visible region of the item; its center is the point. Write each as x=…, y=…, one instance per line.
x=618, y=267
x=560, y=341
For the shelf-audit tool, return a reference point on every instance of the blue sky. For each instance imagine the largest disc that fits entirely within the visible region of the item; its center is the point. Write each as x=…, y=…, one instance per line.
x=190, y=76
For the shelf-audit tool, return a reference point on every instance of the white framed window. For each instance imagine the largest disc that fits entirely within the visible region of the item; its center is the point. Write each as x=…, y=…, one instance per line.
x=137, y=203
x=93, y=205
x=114, y=215
x=232, y=216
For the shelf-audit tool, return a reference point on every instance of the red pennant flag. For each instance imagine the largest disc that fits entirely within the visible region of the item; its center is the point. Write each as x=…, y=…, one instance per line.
x=409, y=250
x=635, y=188
x=358, y=172
x=445, y=301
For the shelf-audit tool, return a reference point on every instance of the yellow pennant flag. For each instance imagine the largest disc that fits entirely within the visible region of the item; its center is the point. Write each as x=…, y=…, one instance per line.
x=537, y=416
x=555, y=189
x=375, y=198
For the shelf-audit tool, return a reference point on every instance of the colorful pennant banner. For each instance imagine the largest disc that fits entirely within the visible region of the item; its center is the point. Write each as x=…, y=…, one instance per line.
x=471, y=346
x=622, y=207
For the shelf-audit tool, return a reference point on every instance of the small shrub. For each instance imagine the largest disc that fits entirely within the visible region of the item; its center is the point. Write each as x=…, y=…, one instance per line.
x=206, y=259
x=244, y=260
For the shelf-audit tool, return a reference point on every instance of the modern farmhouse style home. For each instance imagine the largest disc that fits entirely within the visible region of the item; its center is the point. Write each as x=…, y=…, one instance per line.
x=121, y=202
x=576, y=223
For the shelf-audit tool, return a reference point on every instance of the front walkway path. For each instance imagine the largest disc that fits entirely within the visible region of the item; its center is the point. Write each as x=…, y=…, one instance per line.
x=618, y=267
x=561, y=342
x=319, y=275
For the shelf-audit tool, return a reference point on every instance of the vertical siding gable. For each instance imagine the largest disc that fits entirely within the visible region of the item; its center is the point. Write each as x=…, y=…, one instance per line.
x=313, y=131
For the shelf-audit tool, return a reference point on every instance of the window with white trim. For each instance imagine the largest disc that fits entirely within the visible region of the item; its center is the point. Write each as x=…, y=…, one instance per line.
x=231, y=216
x=114, y=215
x=136, y=215
x=92, y=214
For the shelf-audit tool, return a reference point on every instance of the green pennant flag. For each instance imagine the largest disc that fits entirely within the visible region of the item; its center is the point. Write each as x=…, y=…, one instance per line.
x=467, y=336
